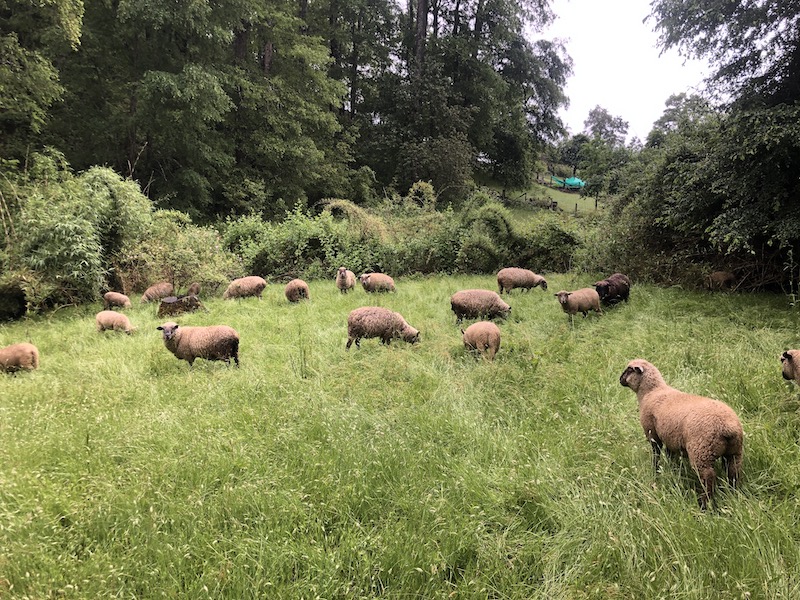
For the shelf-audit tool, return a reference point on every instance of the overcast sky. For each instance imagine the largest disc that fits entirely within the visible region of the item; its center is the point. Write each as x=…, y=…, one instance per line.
x=616, y=63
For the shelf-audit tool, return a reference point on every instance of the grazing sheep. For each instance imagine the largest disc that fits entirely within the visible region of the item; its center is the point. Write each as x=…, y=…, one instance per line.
x=614, y=288
x=157, y=291
x=243, y=287
x=701, y=428
x=345, y=280
x=113, y=321
x=579, y=301
x=474, y=304
x=19, y=357
x=720, y=280
x=374, y=321
x=514, y=277
x=214, y=342
x=174, y=305
x=377, y=282
x=194, y=289
x=790, y=365
x=112, y=299
x=483, y=336
x=297, y=290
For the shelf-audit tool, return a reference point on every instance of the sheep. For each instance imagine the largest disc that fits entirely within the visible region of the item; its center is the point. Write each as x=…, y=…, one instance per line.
x=613, y=289
x=720, y=280
x=178, y=305
x=112, y=299
x=514, y=277
x=579, y=301
x=474, y=304
x=194, y=289
x=483, y=336
x=113, y=321
x=790, y=365
x=701, y=428
x=18, y=357
x=243, y=287
x=214, y=342
x=157, y=291
x=374, y=321
x=296, y=290
x=345, y=280
x=377, y=282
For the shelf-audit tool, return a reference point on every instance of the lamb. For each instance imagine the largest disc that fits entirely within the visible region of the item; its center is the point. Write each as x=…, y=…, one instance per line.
x=345, y=280
x=702, y=428
x=174, y=305
x=374, y=321
x=112, y=299
x=790, y=365
x=214, y=342
x=474, y=304
x=296, y=290
x=157, y=291
x=720, y=280
x=614, y=288
x=483, y=336
x=377, y=282
x=579, y=301
x=113, y=321
x=243, y=287
x=514, y=277
x=19, y=357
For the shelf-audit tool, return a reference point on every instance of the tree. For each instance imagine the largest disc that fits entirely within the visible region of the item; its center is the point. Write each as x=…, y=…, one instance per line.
x=601, y=125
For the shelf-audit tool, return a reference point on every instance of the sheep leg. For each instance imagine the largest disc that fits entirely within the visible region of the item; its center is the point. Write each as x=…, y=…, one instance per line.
x=350, y=343
x=733, y=464
x=707, y=478
x=656, y=446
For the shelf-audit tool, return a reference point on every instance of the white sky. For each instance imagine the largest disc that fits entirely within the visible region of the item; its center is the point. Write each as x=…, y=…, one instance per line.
x=616, y=63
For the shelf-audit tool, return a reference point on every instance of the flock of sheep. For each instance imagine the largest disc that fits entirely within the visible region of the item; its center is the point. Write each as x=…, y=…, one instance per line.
x=700, y=428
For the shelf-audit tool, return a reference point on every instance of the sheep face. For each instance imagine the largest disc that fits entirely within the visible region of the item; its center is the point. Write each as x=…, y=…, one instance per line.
x=168, y=330
x=789, y=364
x=410, y=335
x=563, y=296
x=632, y=375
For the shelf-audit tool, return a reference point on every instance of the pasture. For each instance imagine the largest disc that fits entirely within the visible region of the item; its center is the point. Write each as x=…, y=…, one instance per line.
x=400, y=471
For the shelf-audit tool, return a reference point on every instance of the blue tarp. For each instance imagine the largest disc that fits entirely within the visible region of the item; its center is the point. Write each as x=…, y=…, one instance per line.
x=571, y=183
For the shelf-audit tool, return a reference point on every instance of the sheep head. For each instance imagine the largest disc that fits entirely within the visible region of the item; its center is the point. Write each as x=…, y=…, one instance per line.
x=168, y=330
x=789, y=360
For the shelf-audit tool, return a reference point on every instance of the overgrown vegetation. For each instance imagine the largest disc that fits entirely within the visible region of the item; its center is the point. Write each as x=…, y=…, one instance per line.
x=395, y=471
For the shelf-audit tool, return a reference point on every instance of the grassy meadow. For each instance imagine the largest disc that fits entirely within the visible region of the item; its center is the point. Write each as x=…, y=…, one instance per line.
x=400, y=471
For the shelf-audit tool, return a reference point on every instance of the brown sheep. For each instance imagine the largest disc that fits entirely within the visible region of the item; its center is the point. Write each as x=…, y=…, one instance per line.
x=720, y=280
x=215, y=342
x=514, y=277
x=296, y=290
x=579, y=301
x=790, y=365
x=374, y=321
x=473, y=304
x=108, y=320
x=157, y=291
x=377, y=282
x=112, y=299
x=701, y=428
x=244, y=287
x=483, y=336
x=345, y=280
x=19, y=357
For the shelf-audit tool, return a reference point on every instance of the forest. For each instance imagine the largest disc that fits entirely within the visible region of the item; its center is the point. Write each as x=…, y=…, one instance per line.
x=214, y=118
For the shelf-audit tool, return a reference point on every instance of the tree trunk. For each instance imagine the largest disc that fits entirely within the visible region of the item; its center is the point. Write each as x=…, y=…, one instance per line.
x=420, y=35
x=266, y=58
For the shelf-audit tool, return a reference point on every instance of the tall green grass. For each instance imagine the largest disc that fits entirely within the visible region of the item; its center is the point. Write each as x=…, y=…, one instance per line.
x=400, y=471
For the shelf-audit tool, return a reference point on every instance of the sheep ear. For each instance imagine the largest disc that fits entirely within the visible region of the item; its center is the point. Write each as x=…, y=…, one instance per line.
x=462, y=332
x=639, y=370
x=160, y=328
x=787, y=356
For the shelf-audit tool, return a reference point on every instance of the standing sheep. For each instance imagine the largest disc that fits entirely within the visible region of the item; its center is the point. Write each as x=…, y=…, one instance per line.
x=296, y=290
x=345, y=280
x=19, y=357
x=374, y=321
x=579, y=301
x=474, y=304
x=109, y=320
x=112, y=299
x=244, y=287
x=514, y=277
x=483, y=336
x=157, y=291
x=377, y=282
x=790, y=365
x=614, y=288
x=214, y=342
x=701, y=428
